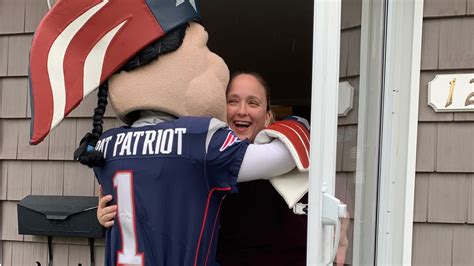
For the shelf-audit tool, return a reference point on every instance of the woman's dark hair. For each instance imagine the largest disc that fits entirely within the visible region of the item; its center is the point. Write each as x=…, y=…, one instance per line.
x=86, y=152
x=258, y=77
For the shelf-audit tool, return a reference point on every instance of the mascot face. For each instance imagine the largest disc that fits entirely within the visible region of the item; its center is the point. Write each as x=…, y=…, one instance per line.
x=190, y=81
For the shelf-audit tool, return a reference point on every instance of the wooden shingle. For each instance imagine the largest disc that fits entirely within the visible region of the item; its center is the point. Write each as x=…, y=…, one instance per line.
x=96, y=188
x=3, y=55
x=62, y=140
x=8, y=138
x=420, y=212
x=341, y=186
x=456, y=47
x=430, y=44
x=28, y=109
x=447, y=198
x=26, y=253
x=339, y=147
x=47, y=178
x=463, y=246
x=350, y=193
x=425, y=112
x=432, y=244
x=352, y=116
x=117, y=122
x=470, y=7
x=35, y=10
x=109, y=111
x=86, y=108
x=12, y=16
x=99, y=255
x=443, y=8
x=13, y=97
x=9, y=223
x=455, y=148
x=27, y=151
x=351, y=11
x=83, y=126
x=60, y=254
x=3, y=180
x=343, y=53
x=353, y=61
x=349, y=150
x=100, y=242
x=112, y=122
x=464, y=116
x=7, y=250
x=19, y=179
x=78, y=180
x=78, y=255
x=426, y=147
x=18, y=51
x=470, y=199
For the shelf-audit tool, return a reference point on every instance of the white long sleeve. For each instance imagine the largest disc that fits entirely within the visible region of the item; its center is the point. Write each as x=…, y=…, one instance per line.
x=263, y=161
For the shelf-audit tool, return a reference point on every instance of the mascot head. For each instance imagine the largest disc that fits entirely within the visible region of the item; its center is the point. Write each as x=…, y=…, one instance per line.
x=143, y=54
x=188, y=81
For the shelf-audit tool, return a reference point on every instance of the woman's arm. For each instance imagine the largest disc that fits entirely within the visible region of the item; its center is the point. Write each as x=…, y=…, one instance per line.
x=263, y=161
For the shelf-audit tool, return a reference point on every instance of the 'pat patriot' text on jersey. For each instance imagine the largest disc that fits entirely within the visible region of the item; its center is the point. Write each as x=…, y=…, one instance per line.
x=154, y=142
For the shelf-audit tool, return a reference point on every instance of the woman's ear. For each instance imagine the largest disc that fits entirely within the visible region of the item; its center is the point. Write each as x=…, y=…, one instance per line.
x=270, y=118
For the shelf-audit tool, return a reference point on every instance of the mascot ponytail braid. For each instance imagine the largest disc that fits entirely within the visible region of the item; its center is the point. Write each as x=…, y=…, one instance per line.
x=86, y=152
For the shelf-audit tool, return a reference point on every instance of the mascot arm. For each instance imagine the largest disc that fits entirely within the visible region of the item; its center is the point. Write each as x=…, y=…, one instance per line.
x=277, y=149
x=294, y=134
x=263, y=161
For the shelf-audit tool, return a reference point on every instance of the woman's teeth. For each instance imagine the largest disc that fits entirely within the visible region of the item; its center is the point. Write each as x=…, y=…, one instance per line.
x=242, y=124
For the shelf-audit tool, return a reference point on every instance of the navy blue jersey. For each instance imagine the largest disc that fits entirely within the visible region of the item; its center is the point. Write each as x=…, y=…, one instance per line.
x=168, y=181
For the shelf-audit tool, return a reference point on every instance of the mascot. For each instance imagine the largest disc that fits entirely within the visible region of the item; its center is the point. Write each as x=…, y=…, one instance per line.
x=173, y=163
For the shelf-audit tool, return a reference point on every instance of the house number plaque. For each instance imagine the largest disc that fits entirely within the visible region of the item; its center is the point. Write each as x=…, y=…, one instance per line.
x=452, y=93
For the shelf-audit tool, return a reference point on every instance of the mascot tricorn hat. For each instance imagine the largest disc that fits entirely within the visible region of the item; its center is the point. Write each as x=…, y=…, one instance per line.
x=80, y=43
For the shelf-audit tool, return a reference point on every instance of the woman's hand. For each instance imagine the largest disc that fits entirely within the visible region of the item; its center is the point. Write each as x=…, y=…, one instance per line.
x=105, y=214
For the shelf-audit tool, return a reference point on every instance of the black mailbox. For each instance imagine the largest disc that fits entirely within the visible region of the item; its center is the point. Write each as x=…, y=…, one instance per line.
x=70, y=216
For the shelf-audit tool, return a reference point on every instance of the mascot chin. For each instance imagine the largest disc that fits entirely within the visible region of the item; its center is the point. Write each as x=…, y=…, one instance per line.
x=173, y=163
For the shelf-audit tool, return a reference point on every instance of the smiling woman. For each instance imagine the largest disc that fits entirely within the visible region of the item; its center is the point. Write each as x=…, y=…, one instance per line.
x=257, y=228
x=248, y=104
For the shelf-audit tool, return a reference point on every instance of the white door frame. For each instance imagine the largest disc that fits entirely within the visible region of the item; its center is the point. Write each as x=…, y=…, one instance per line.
x=399, y=132
x=324, y=100
x=390, y=64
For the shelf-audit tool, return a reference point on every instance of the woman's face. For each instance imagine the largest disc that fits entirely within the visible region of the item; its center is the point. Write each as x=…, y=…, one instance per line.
x=247, y=107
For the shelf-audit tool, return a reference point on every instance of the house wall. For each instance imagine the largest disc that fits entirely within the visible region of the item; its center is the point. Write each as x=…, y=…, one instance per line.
x=45, y=169
x=444, y=191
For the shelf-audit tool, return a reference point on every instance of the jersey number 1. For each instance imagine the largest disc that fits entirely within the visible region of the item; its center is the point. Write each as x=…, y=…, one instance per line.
x=123, y=183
